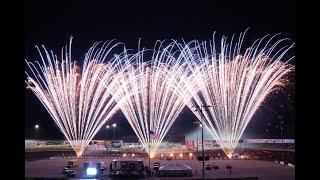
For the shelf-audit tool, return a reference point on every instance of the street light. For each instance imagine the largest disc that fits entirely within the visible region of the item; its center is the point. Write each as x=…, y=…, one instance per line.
x=199, y=109
x=36, y=127
x=107, y=130
x=281, y=127
x=114, y=125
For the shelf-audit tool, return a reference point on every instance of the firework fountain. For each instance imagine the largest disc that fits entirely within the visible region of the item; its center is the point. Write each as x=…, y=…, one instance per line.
x=231, y=85
x=153, y=105
x=76, y=99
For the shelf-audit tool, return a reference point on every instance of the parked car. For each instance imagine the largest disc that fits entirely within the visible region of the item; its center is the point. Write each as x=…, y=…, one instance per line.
x=156, y=166
x=71, y=174
x=208, y=167
x=66, y=169
x=215, y=166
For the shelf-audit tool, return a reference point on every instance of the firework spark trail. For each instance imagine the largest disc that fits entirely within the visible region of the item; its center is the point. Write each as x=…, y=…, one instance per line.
x=152, y=105
x=77, y=100
x=151, y=95
x=234, y=85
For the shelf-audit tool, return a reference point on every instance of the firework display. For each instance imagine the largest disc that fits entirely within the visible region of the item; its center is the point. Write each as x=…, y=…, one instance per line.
x=231, y=85
x=76, y=98
x=153, y=105
x=222, y=85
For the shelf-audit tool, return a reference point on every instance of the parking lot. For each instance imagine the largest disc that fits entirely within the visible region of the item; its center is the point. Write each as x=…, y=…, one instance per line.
x=52, y=168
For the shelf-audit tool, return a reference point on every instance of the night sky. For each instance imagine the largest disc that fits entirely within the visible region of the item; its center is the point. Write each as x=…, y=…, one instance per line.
x=51, y=24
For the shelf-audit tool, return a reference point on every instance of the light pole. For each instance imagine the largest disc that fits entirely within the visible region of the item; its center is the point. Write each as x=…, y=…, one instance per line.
x=281, y=127
x=114, y=125
x=107, y=131
x=149, y=150
x=203, y=173
x=36, y=127
x=267, y=131
x=202, y=127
